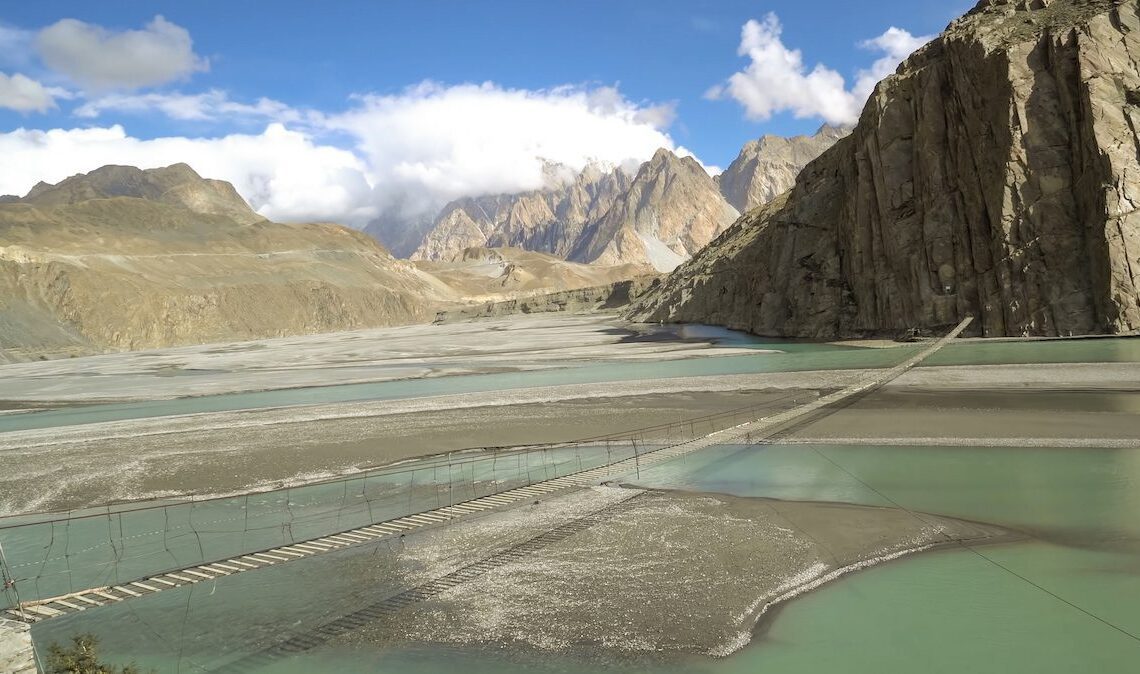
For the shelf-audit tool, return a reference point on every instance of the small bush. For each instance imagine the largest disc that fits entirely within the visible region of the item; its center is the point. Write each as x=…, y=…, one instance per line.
x=82, y=657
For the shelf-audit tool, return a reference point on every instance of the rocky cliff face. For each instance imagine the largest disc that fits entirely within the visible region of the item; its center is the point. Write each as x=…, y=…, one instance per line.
x=670, y=211
x=125, y=259
x=766, y=168
x=498, y=274
x=658, y=218
x=611, y=297
x=994, y=175
x=547, y=221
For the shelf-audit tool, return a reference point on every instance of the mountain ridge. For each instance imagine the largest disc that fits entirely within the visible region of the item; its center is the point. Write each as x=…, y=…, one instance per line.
x=767, y=167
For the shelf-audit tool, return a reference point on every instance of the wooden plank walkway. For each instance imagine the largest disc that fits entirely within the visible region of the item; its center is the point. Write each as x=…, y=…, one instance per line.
x=35, y=611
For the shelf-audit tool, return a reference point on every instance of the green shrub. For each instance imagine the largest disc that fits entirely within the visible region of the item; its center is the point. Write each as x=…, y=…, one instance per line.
x=82, y=657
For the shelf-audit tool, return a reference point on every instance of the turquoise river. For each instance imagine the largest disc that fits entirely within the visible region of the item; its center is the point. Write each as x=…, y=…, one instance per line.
x=1064, y=599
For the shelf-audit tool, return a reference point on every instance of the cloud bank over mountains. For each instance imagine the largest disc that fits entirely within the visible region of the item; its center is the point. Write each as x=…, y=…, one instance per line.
x=411, y=152
x=405, y=153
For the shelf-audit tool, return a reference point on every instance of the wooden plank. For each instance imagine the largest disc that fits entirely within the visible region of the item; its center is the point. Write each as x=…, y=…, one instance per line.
x=382, y=530
x=144, y=586
x=309, y=548
x=282, y=551
x=294, y=549
x=323, y=547
x=434, y=517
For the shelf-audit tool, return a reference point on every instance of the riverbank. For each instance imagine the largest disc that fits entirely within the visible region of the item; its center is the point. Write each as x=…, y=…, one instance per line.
x=79, y=466
x=697, y=581
x=515, y=344
x=60, y=467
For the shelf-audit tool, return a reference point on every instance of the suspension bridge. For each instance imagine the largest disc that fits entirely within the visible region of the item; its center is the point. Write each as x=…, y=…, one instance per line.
x=61, y=564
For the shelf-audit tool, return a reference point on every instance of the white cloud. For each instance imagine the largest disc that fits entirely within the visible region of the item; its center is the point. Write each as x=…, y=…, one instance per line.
x=24, y=94
x=409, y=153
x=433, y=143
x=100, y=59
x=208, y=106
x=283, y=174
x=776, y=79
x=896, y=44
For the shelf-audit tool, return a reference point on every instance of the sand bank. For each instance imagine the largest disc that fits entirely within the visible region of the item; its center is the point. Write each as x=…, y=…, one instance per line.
x=74, y=467
x=670, y=572
x=513, y=344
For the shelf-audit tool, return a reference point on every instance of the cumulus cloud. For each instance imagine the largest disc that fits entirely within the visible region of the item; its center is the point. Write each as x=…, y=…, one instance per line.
x=433, y=143
x=895, y=44
x=777, y=80
x=211, y=105
x=24, y=94
x=407, y=153
x=100, y=59
x=282, y=173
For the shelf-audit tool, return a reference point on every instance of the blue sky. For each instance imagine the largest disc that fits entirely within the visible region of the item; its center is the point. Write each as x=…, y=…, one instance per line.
x=312, y=64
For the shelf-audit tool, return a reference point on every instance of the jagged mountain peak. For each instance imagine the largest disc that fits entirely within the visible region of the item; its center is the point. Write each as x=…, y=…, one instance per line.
x=768, y=166
x=665, y=157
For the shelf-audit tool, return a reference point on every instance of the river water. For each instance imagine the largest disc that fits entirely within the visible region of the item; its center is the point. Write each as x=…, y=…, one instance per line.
x=1062, y=600
x=791, y=357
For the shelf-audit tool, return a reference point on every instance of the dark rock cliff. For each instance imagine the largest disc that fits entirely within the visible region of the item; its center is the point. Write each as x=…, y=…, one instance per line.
x=996, y=174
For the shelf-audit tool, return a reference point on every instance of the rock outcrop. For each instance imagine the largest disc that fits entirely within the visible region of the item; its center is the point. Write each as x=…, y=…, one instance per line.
x=611, y=297
x=658, y=218
x=550, y=220
x=500, y=274
x=178, y=185
x=125, y=259
x=766, y=168
x=670, y=211
x=994, y=175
